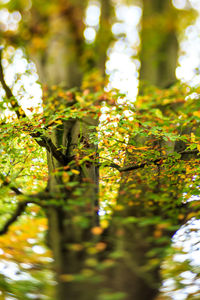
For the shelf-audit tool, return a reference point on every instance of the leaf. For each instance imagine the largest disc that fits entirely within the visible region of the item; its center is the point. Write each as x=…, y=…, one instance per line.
x=158, y=113
x=76, y=172
x=192, y=137
x=97, y=230
x=130, y=220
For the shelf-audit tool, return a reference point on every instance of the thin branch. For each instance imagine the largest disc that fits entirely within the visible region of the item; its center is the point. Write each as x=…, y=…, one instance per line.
x=41, y=199
x=189, y=210
x=21, y=206
x=47, y=143
x=16, y=190
x=40, y=196
x=136, y=167
x=38, y=136
x=18, y=212
x=6, y=182
x=142, y=165
x=195, y=151
x=33, y=198
x=19, y=111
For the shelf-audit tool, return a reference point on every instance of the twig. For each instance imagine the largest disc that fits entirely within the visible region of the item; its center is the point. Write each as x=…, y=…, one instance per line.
x=142, y=165
x=39, y=137
x=19, y=111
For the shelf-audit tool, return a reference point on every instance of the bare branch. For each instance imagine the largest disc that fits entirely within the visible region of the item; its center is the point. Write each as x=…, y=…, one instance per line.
x=19, y=111
x=38, y=136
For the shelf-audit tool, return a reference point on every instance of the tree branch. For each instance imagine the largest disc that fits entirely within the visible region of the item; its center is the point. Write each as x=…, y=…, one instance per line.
x=31, y=199
x=19, y=111
x=21, y=206
x=18, y=212
x=47, y=143
x=16, y=190
x=142, y=165
x=40, y=139
x=6, y=182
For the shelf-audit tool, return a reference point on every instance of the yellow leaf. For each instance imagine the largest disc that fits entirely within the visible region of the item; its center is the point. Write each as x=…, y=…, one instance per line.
x=80, y=99
x=91, y=250
x=104, y=223
x=76, y=172
x=142, y=148
x=197, y=113
x=192, y=137
x=158, y=113
x=122, y=130
x=191, y=215
x=21, y=111
x=65, y=177
x=61, y=94
x=58, y=121
x=119, y=207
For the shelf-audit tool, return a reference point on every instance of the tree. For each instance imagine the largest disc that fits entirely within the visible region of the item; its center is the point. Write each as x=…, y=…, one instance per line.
x=159, y=146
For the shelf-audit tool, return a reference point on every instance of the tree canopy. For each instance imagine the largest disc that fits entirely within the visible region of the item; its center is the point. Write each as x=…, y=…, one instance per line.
x=94, y=185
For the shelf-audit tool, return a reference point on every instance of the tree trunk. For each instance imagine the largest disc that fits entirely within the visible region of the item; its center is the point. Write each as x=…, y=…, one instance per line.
x=149, y=202
x=143, y=192
x=159, y=44
x=59, y=64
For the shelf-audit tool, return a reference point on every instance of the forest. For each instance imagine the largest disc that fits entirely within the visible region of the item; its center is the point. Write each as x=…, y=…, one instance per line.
x=100, y=148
